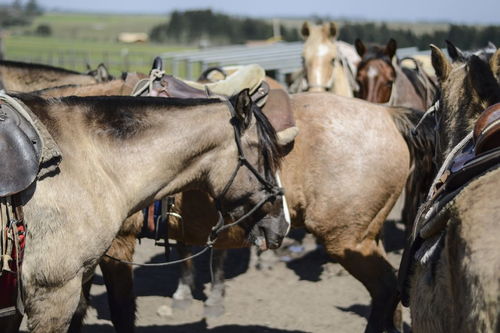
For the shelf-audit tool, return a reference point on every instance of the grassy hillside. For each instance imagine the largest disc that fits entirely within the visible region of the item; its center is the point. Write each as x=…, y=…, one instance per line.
x=78, y=39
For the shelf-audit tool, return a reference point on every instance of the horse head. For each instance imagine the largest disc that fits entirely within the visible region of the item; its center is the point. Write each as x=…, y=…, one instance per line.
x=253, y=186
x=376, y=73
x=467, y=89
x=319, y=55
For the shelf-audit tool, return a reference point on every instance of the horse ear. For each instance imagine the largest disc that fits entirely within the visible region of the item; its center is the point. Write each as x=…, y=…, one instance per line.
x=102, y=73
x=360, y=47
x=243, y=108
x=440, y=63
x=390, y=48
x=330, y=28
x=304, y=31
x=495, y=64
x=454, y=52
x=483, y=80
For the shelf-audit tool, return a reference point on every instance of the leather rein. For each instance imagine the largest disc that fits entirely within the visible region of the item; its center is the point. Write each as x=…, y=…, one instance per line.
x=272, y=189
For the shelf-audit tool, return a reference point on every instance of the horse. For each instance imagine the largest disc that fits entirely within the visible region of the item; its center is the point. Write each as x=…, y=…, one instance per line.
x=325, y=66
x=452, y=266
x=19, y=76
x=342, y=177
x=382, y=79
x=118, y=155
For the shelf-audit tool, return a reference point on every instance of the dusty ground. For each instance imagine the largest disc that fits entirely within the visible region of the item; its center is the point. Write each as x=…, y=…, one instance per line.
x=310, y=294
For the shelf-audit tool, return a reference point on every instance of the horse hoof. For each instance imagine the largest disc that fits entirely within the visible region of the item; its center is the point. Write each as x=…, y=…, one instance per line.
x=213, y=311
x=182, y=304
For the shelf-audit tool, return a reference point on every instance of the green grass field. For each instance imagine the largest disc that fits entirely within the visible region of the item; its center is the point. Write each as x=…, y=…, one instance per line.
x=78, y=39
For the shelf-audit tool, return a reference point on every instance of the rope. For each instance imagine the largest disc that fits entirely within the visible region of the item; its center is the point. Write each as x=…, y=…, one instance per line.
x=148, y=83
x=161, y=264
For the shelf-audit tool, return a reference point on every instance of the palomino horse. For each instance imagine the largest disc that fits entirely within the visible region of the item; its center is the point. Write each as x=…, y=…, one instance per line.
x=119, y=154
x=342, y=178
x=325, y=66
x=25, y=77
x=382, y=79
x=454, y=262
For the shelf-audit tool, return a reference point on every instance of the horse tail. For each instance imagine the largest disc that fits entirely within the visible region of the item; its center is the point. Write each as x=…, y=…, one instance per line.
x=421, y=146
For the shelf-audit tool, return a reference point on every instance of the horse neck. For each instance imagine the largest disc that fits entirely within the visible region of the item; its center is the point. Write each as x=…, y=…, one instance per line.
x=173, y=154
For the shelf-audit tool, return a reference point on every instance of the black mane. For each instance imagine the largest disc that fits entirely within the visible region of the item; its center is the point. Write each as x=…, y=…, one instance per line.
x=32, y=66
x=268, y=140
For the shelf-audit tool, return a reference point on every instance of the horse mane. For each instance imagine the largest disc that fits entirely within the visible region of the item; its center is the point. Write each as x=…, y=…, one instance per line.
x=33, y=66
x=268, y=140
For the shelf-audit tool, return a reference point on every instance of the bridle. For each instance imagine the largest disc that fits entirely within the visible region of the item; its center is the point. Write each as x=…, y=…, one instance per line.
x=272, y=189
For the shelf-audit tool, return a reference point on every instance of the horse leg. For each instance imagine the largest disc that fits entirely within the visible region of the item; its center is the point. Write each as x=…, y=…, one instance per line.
x=51, y=309
x=118, y=278
x=368, y=264
x=214, y=305
x=363, y=256
x=183, y=298
x=81, y=311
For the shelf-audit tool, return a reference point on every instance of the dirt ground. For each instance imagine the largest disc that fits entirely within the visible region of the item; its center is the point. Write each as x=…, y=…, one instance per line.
x=308, y=294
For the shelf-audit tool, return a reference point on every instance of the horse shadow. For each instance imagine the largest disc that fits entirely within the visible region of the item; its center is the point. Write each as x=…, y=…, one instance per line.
x=363, y=311
x=163, y=281
x=195, y=327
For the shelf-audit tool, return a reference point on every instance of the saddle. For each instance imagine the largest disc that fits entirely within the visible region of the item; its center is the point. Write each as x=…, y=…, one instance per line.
x=20, y=149
x=487, y=129
x=477, y=153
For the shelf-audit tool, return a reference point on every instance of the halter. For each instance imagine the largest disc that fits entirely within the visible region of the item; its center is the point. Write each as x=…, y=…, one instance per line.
x=273, y=191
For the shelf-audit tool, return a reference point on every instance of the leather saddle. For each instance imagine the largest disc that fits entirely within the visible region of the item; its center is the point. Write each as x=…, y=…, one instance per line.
x=487, y=130
x=20, y=151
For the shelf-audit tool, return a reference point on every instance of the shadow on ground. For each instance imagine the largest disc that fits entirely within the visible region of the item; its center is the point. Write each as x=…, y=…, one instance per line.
x=198, y=327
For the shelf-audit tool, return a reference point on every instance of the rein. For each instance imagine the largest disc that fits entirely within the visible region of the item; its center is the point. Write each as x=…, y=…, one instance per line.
x=272, y=190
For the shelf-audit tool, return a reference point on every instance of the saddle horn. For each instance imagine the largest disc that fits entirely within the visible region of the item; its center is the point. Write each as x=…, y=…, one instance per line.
x=157, y=64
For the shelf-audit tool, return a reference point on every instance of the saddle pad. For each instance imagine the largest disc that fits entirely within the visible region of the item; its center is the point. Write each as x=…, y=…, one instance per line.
x=239, y=78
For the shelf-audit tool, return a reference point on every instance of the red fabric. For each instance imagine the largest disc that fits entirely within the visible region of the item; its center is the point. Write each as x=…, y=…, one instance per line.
x=8, y=281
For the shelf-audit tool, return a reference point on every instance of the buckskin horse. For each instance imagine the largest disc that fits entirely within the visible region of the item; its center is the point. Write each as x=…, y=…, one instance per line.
x=25, y=77
x=118, y=155
x=450, y=274
x=326, y=66
x=342, y=178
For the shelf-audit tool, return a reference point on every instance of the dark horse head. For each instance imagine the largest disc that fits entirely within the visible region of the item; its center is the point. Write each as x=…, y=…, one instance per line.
x=376, y=73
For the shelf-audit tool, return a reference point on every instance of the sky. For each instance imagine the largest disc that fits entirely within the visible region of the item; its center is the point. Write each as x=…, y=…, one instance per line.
x=454, y=11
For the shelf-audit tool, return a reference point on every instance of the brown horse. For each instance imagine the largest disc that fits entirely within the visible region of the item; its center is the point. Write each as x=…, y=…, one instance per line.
x=25, y=77
x=325, y=66
x=119, y=154
x=343, y=176
x=382, y=79
x=455, y=279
